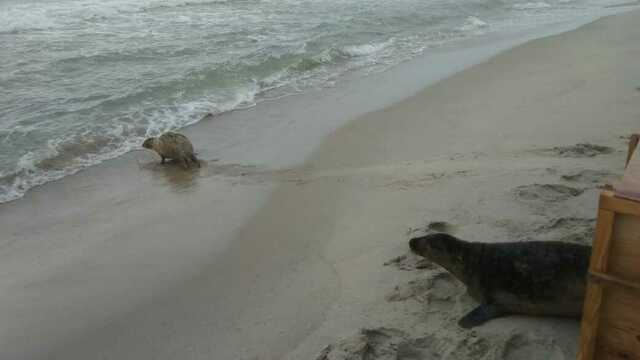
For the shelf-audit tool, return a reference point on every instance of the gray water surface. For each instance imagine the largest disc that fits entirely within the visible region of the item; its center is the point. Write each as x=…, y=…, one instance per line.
x=82, y=81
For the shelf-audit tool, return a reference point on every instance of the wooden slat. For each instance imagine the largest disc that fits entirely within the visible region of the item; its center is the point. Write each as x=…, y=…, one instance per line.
x=624, y=256
x=593, y=298
x=610, y=326
x=589, y=325
x=619, y=333
x=616, y=343
x=604, y=279
x=624, y=206
x=602, y=245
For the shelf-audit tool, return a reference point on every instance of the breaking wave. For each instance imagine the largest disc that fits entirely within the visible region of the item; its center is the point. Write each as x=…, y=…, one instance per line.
x=87, y=80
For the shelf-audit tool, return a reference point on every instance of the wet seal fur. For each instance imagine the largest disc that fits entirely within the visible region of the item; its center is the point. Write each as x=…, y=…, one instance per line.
x=173, y=146
x=539, y=278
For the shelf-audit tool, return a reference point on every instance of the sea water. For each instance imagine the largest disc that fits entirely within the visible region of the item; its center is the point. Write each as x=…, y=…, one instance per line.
x=82, y=81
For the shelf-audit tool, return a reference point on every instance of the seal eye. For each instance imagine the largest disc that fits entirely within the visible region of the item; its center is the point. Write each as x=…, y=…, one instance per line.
x=440, y=241
x=416, y=244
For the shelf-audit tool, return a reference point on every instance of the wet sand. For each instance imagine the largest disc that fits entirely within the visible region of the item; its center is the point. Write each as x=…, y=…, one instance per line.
x=130, y=260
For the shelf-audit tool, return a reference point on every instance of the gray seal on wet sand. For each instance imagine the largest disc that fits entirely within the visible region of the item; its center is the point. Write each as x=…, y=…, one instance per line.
x=173, y=146
x=538, y=278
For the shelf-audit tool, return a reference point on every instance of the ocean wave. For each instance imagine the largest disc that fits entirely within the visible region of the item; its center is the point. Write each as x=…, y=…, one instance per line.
x=17, y=18
x=66, y=155
x=190, y=3
x=531, y=6
x=365, y=49
x=473, y=23
x=108, y=73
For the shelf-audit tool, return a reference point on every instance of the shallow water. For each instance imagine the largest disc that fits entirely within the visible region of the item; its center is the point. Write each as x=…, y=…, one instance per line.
x=82, y=81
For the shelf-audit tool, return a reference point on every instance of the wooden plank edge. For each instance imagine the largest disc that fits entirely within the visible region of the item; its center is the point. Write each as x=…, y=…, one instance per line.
x=599, y=277
x=609, y=201
x=593, y=297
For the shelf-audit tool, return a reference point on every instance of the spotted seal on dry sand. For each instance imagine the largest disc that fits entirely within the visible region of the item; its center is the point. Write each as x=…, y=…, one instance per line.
x=174, y=146
x=540, y=278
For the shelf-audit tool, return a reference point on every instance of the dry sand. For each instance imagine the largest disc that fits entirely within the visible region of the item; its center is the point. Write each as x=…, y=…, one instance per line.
x=511, y=149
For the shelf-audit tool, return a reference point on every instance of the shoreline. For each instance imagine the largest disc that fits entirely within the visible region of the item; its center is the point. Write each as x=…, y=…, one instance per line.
x=304, y=267
x=345, y=99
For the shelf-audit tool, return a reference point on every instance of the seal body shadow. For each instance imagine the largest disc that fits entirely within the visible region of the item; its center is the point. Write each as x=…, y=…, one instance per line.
x=173, y=146
x=539, y=278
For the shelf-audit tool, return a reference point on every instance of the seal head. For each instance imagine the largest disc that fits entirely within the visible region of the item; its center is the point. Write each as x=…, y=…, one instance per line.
x=148, y=143
x=443, y=249
x=435, y=246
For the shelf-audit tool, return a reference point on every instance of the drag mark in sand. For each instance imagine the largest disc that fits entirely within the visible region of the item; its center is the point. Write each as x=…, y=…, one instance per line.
x=379, y=344
x=547, y=193
x=424, y=181
x=588, y=176
x=567, y=229
x=439, y=291
x=394, y=344
x=411, y=262
x=381, y=177
x=580, y=150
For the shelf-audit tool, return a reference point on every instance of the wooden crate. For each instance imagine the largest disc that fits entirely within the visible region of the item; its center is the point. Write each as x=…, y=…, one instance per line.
x=611, y=315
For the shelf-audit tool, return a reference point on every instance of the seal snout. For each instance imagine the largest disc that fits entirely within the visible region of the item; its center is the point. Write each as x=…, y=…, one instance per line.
x=148, y=143
x=439, y=242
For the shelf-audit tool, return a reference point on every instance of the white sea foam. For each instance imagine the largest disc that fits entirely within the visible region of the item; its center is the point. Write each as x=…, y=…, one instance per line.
x=17, y=17
x=97, y=76
x=473, y=23
x=366, y=49
x=531, y=6
x=31, y=169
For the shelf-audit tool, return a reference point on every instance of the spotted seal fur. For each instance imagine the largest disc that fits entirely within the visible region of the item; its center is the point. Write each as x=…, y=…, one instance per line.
x=174, y=146
x=539, y=278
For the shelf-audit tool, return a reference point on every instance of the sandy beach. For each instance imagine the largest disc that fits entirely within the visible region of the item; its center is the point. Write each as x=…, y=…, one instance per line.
x=133, y=260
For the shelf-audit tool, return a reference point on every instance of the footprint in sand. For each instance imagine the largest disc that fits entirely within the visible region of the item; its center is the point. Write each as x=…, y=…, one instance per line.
x=580, y=150
x=470, y=348
x=377, y=343
x=546, y=192
x=567, y=229
x=532, y=347
x=588, y=177
x=411, y=262
x=394, y=344
x=438, y=292
x=425, y=180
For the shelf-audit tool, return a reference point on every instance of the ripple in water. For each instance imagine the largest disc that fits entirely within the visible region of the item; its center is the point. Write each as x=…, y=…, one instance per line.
x=86, y=80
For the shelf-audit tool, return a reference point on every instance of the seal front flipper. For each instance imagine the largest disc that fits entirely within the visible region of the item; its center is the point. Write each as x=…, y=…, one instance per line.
x=480, y=315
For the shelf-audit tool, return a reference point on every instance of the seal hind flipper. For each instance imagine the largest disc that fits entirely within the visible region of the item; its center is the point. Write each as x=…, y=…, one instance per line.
x=195, y=160
x=185, y=162
x=480, y=315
